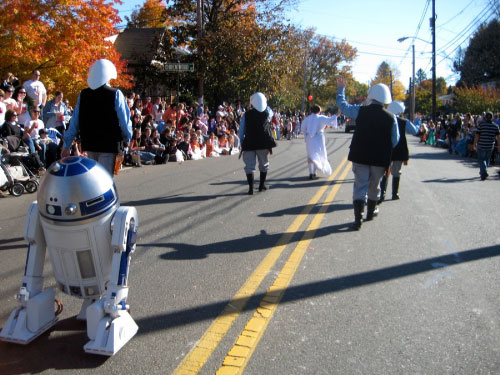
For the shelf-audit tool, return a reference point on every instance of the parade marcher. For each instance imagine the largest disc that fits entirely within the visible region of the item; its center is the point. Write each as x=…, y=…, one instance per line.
x=257, y=141
x=375, y=136
x=313, y=128
x=484, y=142
x=400, y=154
x=101, y=117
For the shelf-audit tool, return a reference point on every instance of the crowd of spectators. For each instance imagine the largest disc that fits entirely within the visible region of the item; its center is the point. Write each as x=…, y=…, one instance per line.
x=32, y=119
x=456, y=133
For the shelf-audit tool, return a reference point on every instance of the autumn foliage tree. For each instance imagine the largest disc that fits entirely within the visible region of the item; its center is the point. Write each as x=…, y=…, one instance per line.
x=61, y=38
x=477, y=99
x=152, y=13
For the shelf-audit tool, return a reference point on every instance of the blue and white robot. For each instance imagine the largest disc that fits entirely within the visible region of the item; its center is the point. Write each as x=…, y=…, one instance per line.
x=90, y=239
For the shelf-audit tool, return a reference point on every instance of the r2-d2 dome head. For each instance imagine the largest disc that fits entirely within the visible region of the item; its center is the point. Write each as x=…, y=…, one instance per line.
x=76, y=190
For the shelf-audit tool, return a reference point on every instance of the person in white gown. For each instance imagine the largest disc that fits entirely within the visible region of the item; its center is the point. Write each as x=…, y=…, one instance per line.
x=313, y=129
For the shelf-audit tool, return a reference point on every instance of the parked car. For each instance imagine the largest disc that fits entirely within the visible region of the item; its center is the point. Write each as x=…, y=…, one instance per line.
x=350, y=124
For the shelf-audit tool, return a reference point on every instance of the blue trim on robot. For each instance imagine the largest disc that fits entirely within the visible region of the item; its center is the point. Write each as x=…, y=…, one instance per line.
x=73, y=166
x=107, y=199
x=75, y=220
x=122, y=276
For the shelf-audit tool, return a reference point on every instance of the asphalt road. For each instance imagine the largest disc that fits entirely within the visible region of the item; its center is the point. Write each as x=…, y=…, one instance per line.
x=276, y=283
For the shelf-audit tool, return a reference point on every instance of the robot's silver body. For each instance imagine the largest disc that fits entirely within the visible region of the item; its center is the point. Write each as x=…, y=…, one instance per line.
x=90, y=239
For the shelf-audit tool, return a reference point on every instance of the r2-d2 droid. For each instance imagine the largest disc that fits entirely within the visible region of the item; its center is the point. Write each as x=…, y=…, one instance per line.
x=90, y=239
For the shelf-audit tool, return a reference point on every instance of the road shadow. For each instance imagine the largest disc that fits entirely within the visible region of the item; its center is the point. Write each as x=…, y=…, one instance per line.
x=60, y=348
x=210, y=311
x=297, y=210
x=452, y=180
x=178, y=198
x=11, y=243
x=263, y=240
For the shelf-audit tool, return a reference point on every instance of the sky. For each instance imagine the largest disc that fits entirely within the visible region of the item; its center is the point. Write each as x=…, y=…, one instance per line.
x=373, y=28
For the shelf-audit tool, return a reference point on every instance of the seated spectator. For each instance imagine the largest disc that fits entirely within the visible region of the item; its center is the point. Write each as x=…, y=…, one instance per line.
x=196, y=152
x=51, y=146
x=137, y=107
x=224, y=145
x=147, y=122
x=236, y=139
x=14, y=133
x=137, y=150
x=184, y=147
x=172, y=150
x=136, y=121
x=21, y=97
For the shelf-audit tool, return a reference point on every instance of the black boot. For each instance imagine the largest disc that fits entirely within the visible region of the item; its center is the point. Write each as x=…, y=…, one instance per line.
x=395, y=188
x=359, y=206
x=371, y=210
x=262, y=186
x=383, y=187
x=250, y=184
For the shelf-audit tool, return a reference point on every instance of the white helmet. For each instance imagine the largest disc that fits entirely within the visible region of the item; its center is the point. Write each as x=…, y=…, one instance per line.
x=101, y=72
x=379, y=93
x=396, y=107
x=258, y=101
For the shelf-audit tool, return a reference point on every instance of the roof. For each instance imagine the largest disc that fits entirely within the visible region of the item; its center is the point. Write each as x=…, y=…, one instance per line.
x=136, y=44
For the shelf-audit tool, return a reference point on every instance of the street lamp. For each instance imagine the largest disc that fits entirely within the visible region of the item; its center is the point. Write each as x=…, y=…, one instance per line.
x=433, y=75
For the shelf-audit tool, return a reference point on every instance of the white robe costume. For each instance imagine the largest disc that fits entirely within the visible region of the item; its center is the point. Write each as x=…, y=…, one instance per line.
x=313, y=128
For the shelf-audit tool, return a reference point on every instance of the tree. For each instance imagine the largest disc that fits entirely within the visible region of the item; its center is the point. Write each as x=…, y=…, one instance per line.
x=153, y=13
x=325, y=60
x=60, y=38
x=420, y=76
x=383, y=75
x=244, y=47
x=478, y=63
x=477, y=99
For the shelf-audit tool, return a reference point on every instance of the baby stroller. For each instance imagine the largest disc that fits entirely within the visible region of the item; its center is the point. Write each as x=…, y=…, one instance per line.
x=15, y=177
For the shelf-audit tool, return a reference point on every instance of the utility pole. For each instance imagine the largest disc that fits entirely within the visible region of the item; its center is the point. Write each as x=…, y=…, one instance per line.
x=412, y=87
x=433, y=27
x=390, y=75
x=199, y=17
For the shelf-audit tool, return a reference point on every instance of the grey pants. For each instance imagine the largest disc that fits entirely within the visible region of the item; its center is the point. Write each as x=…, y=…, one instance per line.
x=107, y=160
x=396, y=166
x=366, y=180
x=250, y=159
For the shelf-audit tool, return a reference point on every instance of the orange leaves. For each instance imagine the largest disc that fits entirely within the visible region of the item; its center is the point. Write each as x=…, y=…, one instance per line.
x=61, y=38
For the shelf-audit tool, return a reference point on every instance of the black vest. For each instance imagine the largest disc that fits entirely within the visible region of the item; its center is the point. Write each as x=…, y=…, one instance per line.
x=400, y=152
x=257, y=131
x=371, y=143
x=98, y=121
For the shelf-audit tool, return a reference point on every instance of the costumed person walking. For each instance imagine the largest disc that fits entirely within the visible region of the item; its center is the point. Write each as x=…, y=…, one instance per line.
x=400, y=154
x=375, y=135
x=256, y=138
x=101, y=118
x=313, y=128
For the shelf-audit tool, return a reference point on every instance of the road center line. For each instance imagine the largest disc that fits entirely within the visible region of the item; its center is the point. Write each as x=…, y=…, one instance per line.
x=238, y=357
x=199, y=354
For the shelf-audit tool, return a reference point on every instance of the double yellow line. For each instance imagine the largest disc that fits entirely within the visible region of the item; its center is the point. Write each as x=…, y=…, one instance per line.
x=238, y=356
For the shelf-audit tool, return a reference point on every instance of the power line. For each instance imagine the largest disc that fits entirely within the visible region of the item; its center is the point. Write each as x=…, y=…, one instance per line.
x=455, y=16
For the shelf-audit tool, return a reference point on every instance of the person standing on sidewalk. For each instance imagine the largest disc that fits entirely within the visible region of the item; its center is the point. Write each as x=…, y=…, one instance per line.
x=400, y=154
x=257, y=141
x=375, y=135
x=484, y=142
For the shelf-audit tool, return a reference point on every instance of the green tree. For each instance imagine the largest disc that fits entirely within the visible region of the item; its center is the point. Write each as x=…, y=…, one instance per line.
x=478, y=63
x=420, y=76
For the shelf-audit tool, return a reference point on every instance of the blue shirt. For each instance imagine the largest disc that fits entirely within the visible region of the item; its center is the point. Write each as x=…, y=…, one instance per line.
x=412, y=128
x=241, y=129
x=352, y=111
x=122, y=112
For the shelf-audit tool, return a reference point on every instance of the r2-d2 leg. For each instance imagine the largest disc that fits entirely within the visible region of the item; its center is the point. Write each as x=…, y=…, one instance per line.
x=109, y=324
x=36, y=313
